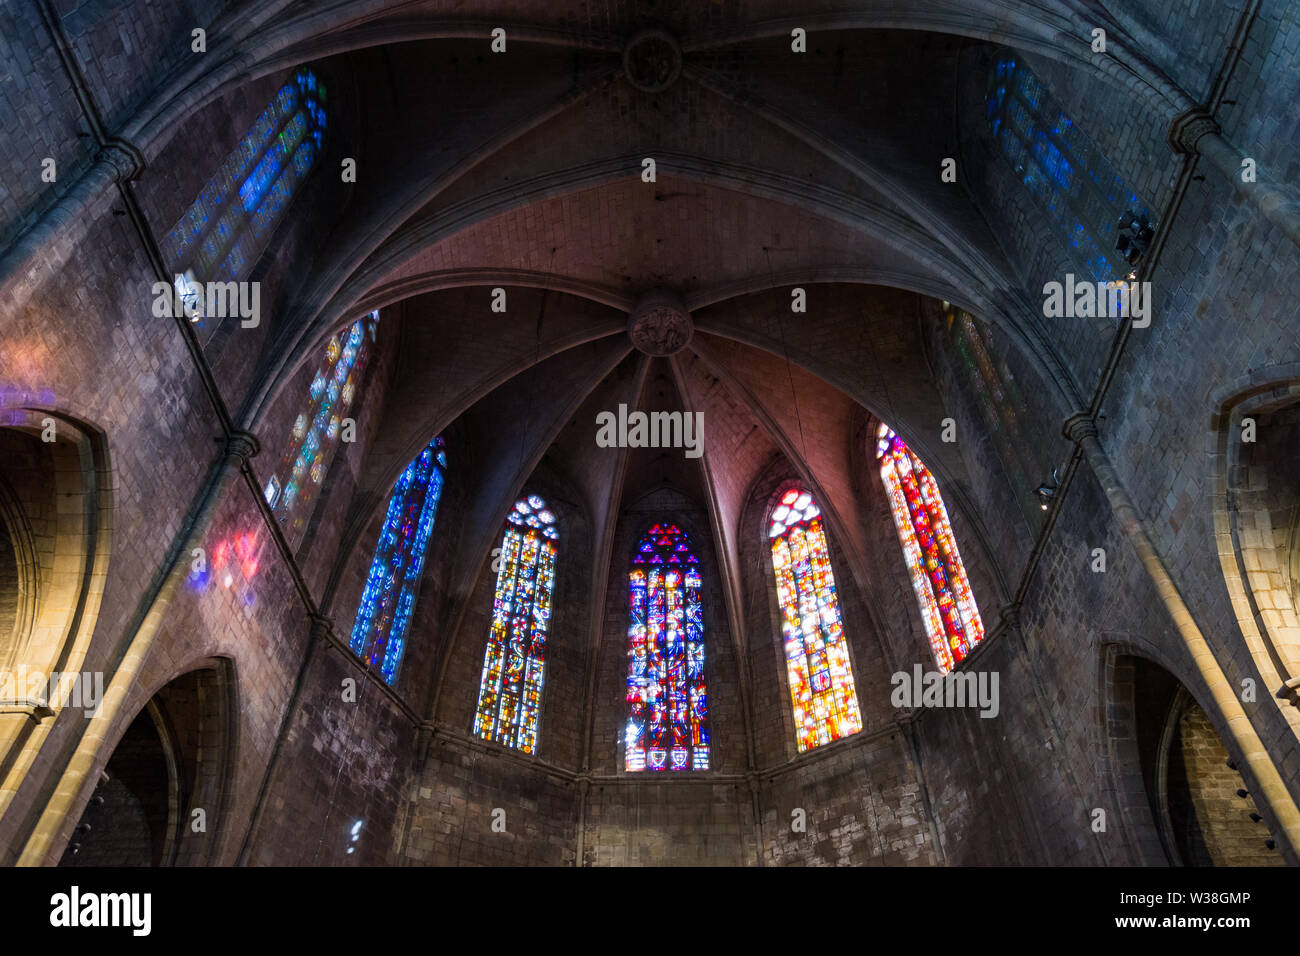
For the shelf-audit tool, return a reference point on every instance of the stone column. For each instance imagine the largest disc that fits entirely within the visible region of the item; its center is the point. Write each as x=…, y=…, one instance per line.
x=1081, y=429
x=52, y=238
x=1196, y=133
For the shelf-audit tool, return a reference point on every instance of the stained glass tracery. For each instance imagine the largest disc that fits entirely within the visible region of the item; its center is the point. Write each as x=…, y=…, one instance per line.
x=1057, y=163
x=315, y=434
x=223, y=232
x=510, y=689
x=816, y=654
x=379, y=632
x=667, y=700
x=952, y=620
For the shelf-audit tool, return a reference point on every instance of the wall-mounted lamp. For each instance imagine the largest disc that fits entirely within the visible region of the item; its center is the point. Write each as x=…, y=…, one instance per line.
x=1134, y=237
x=1047, y=491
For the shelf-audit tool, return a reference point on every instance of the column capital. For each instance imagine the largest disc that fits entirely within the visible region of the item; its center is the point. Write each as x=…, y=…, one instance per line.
x=126, y=160
x=321, y=626
x=242, y=446
x=1189, y=127
x=1079, y=426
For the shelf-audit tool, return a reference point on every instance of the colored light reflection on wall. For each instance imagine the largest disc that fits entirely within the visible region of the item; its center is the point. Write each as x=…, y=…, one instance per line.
x=510, y=690
x=667, y=700
x=816, y=653
x=1075, y=184
x=231, y=565
x=15, y=398
x=952, y=620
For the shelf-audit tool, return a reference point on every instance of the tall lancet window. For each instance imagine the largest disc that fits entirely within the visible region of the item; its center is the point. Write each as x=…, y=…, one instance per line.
x=228, y=226
x=510, y=690
x=952, y=621
x=379, y=634
x=816, y=653
x=293, y=489
x=668, y=718
x=1074, y=183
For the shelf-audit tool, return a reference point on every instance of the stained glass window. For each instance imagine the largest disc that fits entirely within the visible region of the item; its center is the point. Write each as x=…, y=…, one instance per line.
x=510, y=691
x=1075, y=184
x=221, y=235
x=988, y=380
x=315, y=435
x=667, y=726
x=379, y=633
x=816, y=653
x=952, y=621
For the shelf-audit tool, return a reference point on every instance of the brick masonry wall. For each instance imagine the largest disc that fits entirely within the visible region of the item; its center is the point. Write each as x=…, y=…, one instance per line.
x=669, y=823
x=1210, y=822
x=37, y=104
x=452, y=813
x=862, y=805
x=124, y=47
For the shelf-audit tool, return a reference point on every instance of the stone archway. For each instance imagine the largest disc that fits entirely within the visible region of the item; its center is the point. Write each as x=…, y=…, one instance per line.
x=1179, y=794
x=1257, y=523
x=1208, y=821
x=56, y=497
x=161, y=799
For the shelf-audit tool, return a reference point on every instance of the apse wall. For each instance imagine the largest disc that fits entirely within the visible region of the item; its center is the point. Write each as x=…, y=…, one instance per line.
x=859, y=801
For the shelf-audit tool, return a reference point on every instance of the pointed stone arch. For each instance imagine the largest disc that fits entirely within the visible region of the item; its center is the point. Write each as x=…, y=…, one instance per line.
x=56, y=502
x=163, y=793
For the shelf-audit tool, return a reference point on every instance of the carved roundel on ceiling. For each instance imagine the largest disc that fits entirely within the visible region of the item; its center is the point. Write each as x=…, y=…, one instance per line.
x=660, y=324
x=652, y=60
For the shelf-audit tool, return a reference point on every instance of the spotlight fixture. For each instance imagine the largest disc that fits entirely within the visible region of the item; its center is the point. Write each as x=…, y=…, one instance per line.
x=1047, y=490
x=1271, y=844
x=1134, y=236
x=1243, y=794
x=1255, y=818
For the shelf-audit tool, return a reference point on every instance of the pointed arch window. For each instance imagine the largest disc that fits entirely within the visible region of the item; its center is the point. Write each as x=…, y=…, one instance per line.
x=667, y=701
x=510, y=690
x=952, y=621
x=298, y=478
x=379, y=632
x=224, y=231
x=1075, y=184
x=816, y=653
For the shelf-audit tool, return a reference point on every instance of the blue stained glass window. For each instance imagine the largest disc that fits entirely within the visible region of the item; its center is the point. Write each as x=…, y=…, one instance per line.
x=228, y=226
x=379, y=633
x=1059, y=165
x=667, y=726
